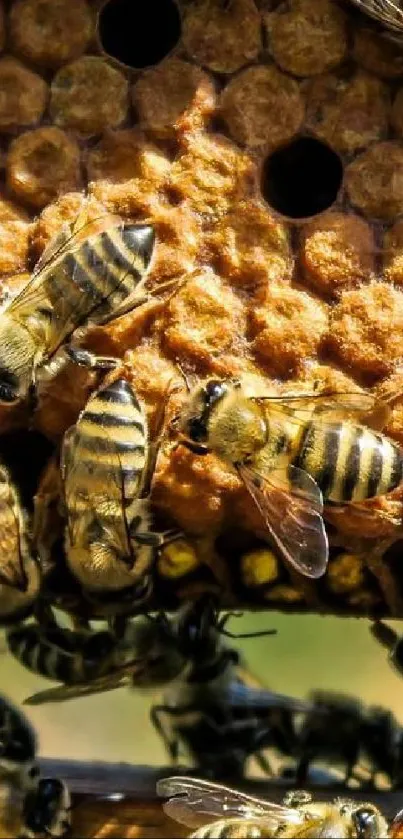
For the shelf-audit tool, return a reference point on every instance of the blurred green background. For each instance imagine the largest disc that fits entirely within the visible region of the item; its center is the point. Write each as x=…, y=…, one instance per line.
x=308, y=652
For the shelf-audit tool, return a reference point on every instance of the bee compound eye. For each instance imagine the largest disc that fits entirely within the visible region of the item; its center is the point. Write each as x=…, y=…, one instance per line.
x=214, y=390
x=8, y=394
x=366, y=823
x=8, y=386
x=197, y=430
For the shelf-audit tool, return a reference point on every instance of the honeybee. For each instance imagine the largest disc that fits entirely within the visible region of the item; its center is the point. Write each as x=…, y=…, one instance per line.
x=293, y=456
x=89, y=662
x=91, y=272
x=217, y=812
x=20, y=576
x=106, y=467
x=210, y=708
x=214, y=711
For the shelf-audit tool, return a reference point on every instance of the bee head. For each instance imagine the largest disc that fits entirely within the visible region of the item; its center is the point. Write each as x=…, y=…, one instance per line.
x=368, y=822
x=194, y=424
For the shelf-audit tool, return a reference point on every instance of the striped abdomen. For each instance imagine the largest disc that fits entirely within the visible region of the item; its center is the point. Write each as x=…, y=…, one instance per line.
x=110, y=453
x=60, y=654
x=92, y=280
x=349, y=462
x=237, y=828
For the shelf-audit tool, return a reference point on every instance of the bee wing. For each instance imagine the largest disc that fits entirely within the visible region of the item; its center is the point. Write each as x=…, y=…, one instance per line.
x=240, y=694
x=68, y=238
x=71, y=234
x=195, y=802
x=291, y=505
x=349, y=403
x=35, y=294
x=110, y=681
x=117, y=537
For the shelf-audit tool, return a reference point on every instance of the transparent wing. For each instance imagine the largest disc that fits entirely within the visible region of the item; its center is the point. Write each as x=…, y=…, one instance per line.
x=240, y=694
x=69, y=238
x=354, y=403
x=111, y=681
x=81, y=494
x=195, y=802
x=291, y=506
x=388, y=12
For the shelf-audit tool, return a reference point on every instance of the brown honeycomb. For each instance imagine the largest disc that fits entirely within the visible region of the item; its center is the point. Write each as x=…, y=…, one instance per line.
x=285, y=302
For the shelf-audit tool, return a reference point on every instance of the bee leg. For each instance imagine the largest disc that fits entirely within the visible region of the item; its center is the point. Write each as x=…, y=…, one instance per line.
x=132, y=302
x=384, y=634
x=85, y=358
x=44, y=615
x=296, y=798
x=171, y=744
x=373, y=560
x=118, y=625
x=155, y=446
x=80, y=624
x=264, y=764
x=391, y=640
x=301, y=772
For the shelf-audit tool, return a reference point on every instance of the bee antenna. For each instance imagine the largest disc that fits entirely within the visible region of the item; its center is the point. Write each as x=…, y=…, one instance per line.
x=221, y=628
x=261, y=634
x=184, y=377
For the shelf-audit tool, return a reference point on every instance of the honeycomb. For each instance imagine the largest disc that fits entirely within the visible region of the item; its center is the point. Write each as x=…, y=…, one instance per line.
x=264, y=141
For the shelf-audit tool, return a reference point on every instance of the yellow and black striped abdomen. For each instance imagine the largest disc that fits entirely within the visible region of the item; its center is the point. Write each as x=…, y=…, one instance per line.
x=236, y=828
x=111, y=446
x=349, y=462
x=93, y=280
x=60, y=654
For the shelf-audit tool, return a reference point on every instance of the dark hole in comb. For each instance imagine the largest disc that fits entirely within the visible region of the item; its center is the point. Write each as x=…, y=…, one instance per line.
x=139, y=34
x=302, y=178
x=25, y=453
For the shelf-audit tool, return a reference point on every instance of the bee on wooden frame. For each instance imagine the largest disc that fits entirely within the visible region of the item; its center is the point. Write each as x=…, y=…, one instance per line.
x=218, y=812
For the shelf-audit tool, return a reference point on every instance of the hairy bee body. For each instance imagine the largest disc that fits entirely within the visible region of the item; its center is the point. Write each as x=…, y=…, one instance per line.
x=19, y=572
x=86, y=275
x=348, y=461
x=108, y=540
